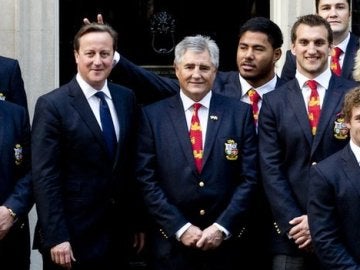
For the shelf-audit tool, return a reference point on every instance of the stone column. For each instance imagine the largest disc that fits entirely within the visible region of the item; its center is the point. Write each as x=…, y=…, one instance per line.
x=284, y=14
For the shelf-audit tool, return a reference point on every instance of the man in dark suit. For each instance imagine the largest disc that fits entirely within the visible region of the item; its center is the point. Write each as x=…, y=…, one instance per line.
x=80, y=186
x=334, y=196
x=197, y=213
x=11, y=82
x=15, y=187
x=289, y=145
x=338, y=14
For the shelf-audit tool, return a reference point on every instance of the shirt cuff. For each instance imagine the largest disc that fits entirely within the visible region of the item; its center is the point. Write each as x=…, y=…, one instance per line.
x=180, y=232
x=222, y=229
x=116, y=58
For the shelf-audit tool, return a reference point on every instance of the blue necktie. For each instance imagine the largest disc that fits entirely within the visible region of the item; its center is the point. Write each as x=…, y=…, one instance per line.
x=107, y=125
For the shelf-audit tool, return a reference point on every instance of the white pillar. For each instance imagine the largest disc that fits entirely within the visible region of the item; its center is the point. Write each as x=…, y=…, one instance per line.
x=29, y=32
x=284, y=14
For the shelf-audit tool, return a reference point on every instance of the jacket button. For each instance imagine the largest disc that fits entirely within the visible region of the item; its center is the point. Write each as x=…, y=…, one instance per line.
x=202, y=212
x=201, y=184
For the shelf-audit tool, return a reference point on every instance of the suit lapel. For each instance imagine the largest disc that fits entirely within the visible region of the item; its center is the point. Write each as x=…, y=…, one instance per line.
x=349, y=59
x=119, y=104
x=178, y=120
x=332, y=100
x=295, y=98
x=81, y=105
x=214, y=122
x=351, y=167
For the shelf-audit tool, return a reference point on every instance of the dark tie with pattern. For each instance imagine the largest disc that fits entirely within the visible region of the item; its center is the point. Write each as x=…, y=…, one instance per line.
x=196, y=137
x=313, y=106
x=107, y=125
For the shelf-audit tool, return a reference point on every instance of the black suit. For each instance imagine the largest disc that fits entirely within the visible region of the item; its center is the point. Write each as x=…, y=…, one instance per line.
x=15, y=184
x=289, y=68
x=86, y=190
x=175, y=193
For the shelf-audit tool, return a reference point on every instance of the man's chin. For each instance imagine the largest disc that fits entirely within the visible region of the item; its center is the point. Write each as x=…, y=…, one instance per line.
x=248, y=75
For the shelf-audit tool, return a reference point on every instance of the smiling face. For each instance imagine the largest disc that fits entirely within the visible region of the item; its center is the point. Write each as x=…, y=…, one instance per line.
x=94, y=58
x=256, y=58
x=196, y=74
x=311, y=48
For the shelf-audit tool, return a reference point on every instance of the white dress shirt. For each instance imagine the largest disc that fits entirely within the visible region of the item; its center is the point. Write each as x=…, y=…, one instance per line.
x=94, y=102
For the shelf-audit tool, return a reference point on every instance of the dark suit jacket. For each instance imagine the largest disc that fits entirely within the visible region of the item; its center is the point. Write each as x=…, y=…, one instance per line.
x=168, y=177
x=15, y=183
x=11, y=82
x=289, y=68
x=334, y=213
x=150, y=87
x=79, y=190
x=288, y=149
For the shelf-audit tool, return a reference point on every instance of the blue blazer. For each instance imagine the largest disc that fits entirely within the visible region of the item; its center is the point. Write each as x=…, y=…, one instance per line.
x=334, y=211
x=15, y=182
x=167, y=173
x=150, y=87
x=73, y=173
x=287, y=149
x=11, y=83
x=289, y=68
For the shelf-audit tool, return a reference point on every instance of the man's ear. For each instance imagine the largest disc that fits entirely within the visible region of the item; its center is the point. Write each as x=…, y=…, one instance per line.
x=277, y=54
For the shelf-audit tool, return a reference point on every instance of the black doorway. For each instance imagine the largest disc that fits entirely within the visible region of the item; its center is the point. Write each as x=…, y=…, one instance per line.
x=133, y=22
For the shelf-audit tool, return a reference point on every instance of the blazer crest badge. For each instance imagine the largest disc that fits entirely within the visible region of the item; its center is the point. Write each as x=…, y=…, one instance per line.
x=341, y=132
x=18, y=154
x=231, y=150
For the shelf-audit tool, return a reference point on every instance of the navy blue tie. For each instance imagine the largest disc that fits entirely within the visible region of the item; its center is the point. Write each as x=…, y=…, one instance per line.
x=107, y=125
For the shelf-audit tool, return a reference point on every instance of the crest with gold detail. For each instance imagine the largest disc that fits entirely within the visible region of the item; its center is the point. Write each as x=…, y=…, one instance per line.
x=18, y=154
x=341, y=132
x=231, y=150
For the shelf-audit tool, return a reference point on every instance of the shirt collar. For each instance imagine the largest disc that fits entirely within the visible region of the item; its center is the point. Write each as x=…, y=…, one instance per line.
x=90, y=91
x=262, y=90
x=188, y=102
x=343, y=44
x=323, y=79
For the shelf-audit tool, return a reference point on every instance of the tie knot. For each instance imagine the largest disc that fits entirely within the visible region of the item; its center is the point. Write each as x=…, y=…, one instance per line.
x=100, y=95
x=312, y=84
x=336, y=52
x=196, y=106
x=253, y=95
